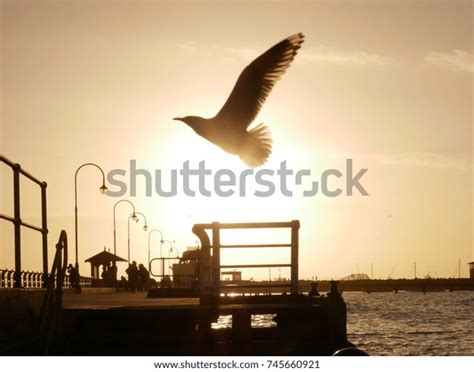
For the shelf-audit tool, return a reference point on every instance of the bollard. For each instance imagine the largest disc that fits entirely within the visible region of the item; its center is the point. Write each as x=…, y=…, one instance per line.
x=338, y=316
x=314, y=290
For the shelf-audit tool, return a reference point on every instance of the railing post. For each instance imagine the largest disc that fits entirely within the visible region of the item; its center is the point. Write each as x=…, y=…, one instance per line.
x=17, y=224
x=295, y=226
x=10, y=276
x=44, y=233
x=216, y=259
x=204, y=266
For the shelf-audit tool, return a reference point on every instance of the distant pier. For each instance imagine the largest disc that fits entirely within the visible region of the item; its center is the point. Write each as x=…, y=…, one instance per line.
x=366, y=285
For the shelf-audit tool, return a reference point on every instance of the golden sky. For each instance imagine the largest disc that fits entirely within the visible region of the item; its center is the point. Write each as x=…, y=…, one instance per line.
x=388, y=84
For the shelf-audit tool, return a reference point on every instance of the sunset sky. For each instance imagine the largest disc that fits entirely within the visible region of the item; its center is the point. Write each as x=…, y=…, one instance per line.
x=388, y=84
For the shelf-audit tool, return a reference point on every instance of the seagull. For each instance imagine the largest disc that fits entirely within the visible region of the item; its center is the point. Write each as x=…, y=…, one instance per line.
x=229, y=128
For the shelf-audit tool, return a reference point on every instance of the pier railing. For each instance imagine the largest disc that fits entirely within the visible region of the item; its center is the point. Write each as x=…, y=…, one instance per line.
x=18, y=223
x=171, y=279
x=210, y=263
x=34, y=279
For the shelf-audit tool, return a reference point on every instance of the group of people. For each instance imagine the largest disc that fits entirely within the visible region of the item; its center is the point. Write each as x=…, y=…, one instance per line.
x=109, y=274
x=138, y=277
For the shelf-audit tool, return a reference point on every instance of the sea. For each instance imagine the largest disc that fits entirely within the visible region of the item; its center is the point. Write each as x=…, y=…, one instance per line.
x=403, y=323
x=411, y=323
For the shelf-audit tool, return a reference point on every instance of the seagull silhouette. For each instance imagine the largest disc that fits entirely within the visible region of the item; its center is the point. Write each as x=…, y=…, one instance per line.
x=228, y=129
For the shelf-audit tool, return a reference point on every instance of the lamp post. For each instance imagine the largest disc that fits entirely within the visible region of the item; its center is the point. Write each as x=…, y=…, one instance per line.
x=135, y=218
x=149, y=245
x=173, y=248
x=163, y=258
x=103, y=189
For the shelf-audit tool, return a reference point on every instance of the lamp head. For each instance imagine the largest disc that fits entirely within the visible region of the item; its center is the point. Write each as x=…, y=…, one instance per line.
x=103, y=189
x=145, y=227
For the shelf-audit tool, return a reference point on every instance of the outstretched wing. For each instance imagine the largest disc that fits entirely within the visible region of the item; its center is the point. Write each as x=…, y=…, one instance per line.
x=256, y=82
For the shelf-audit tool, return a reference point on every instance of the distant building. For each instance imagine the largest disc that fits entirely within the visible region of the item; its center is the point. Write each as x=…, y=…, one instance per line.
x=235, y=276
x=357, y=276
x=103, y=259
x=471, y=270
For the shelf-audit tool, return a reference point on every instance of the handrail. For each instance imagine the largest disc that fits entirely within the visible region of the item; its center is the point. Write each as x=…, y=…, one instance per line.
x=210, y=263
x=18, y=223
x=247, y=225
x=34, y=279
x=161, y=259
x=53, y=298
x=12, y=164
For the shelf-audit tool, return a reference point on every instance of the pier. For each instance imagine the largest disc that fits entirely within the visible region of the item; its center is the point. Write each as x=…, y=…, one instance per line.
x=40, y=315
x=130, y=324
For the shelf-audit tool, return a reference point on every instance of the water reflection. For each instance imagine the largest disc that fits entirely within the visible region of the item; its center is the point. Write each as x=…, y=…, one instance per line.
x=257, y=321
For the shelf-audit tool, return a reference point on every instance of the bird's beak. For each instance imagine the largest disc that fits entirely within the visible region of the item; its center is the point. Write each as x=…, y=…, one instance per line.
x=180, y=119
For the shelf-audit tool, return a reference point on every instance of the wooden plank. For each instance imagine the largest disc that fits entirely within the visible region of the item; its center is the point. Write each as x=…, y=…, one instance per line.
x=294, y=256
x=247, y=225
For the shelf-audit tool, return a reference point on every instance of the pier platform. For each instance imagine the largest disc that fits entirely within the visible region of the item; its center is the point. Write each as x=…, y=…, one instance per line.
x=131, y=324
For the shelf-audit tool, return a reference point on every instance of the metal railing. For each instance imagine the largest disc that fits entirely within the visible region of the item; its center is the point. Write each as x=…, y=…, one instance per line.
x=165, y=263
x=210, y=263
x=53, y=298
x=34, y=279
x=175, y=280
x=18, y=223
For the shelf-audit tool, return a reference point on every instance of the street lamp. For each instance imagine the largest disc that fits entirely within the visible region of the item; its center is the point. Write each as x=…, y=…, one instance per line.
x=169, y=254
x=135, y=218
x=171, y=243
x=103, y=189
x=174, y=248
x=161, y=245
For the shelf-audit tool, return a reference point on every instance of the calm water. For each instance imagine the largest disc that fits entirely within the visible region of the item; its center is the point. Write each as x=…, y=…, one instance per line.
x=410, y=323
x=406, y=323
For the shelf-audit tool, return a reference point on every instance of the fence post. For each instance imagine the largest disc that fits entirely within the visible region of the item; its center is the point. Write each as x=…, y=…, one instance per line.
x=295, y=226
x=216, y=259
x=44, y=233
x=205, y=283
x=10, y=276
x=17, y=224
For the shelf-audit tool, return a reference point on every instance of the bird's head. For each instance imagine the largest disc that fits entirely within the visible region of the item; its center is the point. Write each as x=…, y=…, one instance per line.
x=189, y=120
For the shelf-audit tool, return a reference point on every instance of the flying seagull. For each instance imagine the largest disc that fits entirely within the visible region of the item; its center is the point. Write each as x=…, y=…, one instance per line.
x=228, y=129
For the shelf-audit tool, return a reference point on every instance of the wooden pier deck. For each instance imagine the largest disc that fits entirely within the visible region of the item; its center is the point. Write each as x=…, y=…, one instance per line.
x=139, y=301
x=98, y=300
x=124, y=323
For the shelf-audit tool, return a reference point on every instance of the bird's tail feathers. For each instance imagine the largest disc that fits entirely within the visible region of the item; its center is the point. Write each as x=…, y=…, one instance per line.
x=257, y=147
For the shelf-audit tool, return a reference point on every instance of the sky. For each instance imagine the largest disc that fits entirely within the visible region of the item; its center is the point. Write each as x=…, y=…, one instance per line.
x=387, y=84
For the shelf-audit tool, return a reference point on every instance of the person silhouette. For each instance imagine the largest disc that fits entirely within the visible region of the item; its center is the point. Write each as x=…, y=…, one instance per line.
x=132, y=272
x=105, y=274
x=73, y=277
x=143, y=278
x=113, y=274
